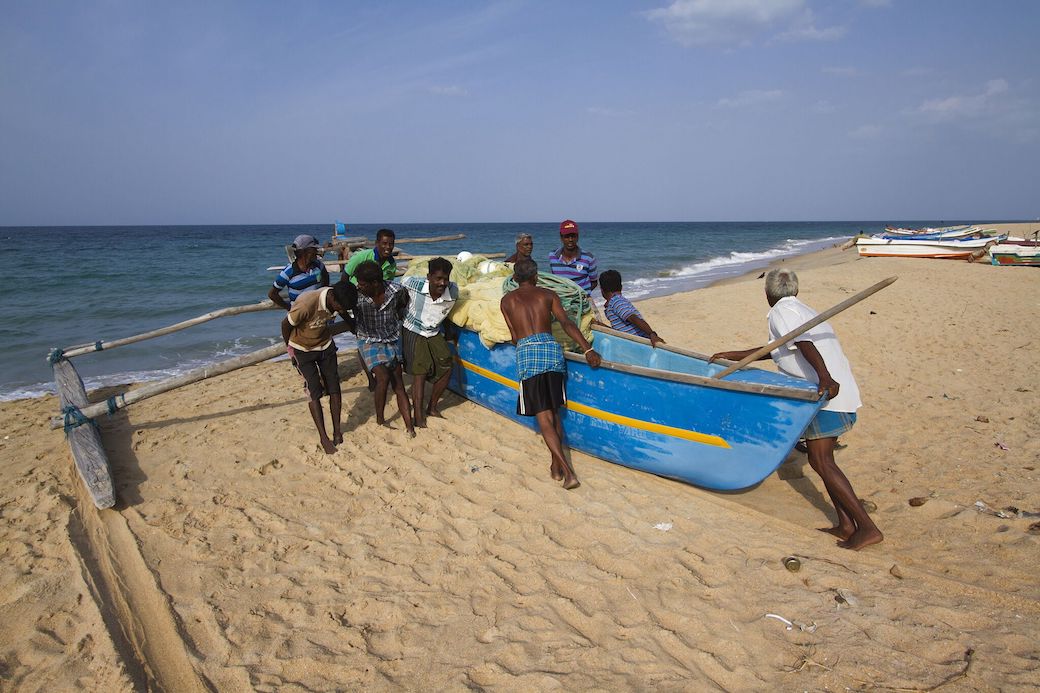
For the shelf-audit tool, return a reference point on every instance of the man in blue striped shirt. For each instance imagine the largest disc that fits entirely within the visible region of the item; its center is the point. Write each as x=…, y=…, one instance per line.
x=623, y=316
x=572, y=262
x=305, y=273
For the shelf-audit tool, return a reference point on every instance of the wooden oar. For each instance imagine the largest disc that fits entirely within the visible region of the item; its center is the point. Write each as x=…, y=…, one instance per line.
x=805, y=327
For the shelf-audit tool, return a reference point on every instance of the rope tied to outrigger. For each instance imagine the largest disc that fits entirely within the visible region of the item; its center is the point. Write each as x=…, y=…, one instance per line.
x=56, y=354
x=73, y=418
x=113, y=403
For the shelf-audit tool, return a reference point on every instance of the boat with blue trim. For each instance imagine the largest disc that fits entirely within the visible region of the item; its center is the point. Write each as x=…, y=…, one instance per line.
x=656, y=410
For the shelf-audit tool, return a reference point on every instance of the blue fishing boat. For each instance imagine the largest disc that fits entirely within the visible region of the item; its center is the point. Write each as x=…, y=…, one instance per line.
x=657, y=410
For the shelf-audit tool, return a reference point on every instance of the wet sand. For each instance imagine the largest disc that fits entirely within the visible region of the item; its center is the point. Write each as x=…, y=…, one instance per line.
x=242, y=558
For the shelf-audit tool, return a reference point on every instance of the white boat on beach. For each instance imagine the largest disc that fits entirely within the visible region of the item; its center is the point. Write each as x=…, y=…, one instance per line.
x=949, y=248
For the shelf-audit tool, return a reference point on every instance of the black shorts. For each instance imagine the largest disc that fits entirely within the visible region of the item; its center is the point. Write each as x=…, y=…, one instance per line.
x=319, y=370
x=542, y=392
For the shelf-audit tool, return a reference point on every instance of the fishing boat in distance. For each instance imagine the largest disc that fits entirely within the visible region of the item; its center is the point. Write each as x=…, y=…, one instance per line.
x=656, y=410
x=949, y=248
x=1015, y=253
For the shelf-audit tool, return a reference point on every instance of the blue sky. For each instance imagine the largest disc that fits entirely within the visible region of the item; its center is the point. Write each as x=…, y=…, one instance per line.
x=136, y=112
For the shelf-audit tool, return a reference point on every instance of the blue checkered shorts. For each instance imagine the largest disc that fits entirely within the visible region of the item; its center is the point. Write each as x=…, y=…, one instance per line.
x=830, y=424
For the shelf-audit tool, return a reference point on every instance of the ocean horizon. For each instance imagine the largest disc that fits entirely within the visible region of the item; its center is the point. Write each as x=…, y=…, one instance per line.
x=117, y=281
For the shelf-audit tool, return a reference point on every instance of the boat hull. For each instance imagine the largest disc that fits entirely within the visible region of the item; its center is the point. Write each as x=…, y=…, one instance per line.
x=948, y=249
x=662, y=419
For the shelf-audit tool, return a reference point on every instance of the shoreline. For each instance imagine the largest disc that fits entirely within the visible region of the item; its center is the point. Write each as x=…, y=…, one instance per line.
x=812, y=259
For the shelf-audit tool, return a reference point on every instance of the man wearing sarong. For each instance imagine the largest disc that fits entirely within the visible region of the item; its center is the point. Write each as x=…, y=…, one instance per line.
x=541, y=368
x=381, y=307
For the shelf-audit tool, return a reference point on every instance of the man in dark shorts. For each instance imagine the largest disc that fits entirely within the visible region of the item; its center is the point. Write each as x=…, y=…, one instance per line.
x=426, y=353
x=308, y=337
x=541, y=368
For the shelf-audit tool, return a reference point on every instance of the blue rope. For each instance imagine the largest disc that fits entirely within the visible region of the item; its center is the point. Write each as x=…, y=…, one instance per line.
x=111, y=402
x=97, y=345
x=73, y=418
x=57, y=354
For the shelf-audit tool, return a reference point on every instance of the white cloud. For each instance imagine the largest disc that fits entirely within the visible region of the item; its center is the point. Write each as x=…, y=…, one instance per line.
x=607, y=112
x=750, y=98
x=965, y=106
x=917, y=72
x=866, y=132
x=823, y=106
x=447, y=90
x=704, y=22
x=841, y=71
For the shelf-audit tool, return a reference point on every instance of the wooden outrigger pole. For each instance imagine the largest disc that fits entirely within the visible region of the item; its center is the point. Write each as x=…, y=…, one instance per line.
x=77, y=414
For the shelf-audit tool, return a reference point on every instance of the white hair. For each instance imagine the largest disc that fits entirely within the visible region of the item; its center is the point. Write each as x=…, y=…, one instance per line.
x=781, y=283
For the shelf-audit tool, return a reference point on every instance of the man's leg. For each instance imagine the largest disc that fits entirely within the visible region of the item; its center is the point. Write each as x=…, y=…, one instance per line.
x=863, y=531
x=336, y=408
x=548, y=424
x=319, y=422
x=368, y=372
x=382, y=379
x=418, y=394
x=403, y=405
x=438, y=390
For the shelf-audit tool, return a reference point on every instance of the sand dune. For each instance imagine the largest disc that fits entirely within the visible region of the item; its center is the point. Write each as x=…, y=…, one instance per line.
x=241, y=558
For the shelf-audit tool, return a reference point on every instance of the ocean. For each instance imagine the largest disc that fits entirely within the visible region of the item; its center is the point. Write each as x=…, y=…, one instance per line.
x=103, y=283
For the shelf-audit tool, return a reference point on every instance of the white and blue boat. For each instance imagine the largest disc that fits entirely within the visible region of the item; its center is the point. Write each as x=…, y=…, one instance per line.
x=657, y=410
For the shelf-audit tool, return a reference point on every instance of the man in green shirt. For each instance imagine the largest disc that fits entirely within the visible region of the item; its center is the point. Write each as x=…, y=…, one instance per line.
x=382, y=255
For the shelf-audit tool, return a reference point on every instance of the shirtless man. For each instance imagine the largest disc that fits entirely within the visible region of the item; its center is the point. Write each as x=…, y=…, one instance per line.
x=541, y=368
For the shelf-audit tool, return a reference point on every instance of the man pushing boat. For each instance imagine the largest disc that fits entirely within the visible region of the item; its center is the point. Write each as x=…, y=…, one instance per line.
x=817, y=356
x=540, y=365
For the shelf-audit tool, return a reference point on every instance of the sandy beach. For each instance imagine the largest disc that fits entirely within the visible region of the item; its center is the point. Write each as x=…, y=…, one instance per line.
x=242, y=558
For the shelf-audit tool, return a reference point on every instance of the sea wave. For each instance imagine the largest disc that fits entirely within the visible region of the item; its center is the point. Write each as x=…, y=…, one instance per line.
x=234, y=348
x=720, y=267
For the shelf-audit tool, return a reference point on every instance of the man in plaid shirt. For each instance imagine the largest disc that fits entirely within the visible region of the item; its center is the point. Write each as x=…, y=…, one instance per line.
x=381, y=307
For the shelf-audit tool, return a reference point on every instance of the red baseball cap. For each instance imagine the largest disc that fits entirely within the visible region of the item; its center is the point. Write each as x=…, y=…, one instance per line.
x=568, y=226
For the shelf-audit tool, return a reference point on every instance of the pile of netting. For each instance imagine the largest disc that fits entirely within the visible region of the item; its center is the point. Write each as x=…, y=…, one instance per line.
x=482, y=284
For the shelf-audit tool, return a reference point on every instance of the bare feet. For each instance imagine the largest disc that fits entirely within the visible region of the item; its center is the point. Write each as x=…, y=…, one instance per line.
x=411, y=431
x=555, y=472
x=337, y=439
x=433, y=411
x=862, y=537
x=572, y=483
x=840, y=531
x=328, y=447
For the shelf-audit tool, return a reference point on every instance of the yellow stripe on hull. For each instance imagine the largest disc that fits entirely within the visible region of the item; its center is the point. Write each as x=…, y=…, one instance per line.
x=579, y=408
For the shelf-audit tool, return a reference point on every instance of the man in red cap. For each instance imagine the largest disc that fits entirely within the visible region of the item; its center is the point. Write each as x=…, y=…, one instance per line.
x=572, y=262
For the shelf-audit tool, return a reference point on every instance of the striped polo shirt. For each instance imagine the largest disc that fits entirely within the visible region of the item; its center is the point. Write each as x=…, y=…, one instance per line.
x=425, y=313
x=582, y=270
x=618, y=310
x=298, y=281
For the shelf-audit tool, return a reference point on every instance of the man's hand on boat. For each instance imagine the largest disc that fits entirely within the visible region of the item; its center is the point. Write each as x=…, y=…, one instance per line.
x=593, y=358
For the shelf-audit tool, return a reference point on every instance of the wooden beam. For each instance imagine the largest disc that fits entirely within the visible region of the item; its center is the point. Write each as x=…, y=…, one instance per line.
x=88, y=453
x=101, y=345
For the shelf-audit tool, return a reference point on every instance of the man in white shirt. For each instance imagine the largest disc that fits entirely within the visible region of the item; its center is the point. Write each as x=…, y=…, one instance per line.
x=817, y=357
x=426, y=353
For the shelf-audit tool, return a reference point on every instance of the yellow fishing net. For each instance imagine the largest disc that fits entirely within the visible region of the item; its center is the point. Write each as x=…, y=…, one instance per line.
x=482, y=284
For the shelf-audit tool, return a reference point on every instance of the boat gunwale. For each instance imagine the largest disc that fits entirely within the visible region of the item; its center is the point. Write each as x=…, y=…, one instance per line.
x=782, y=391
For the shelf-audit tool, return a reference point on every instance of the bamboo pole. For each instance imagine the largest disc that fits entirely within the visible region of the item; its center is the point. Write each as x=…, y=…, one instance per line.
x=125, y=399
x=431, y=239
x=101, y=345
x=805, y=327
